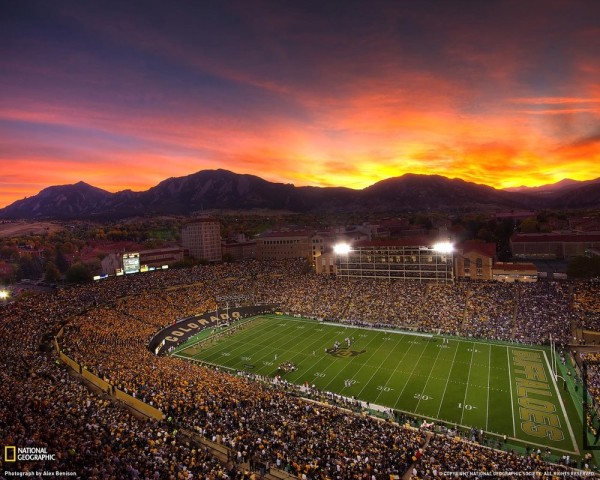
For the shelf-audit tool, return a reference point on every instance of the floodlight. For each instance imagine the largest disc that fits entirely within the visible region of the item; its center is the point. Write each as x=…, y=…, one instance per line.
x=341, y=249
x=4, y=294
x=443, y=247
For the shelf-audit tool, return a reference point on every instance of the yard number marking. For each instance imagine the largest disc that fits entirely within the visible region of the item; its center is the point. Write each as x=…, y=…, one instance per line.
x=420, y=396
x=383, y=388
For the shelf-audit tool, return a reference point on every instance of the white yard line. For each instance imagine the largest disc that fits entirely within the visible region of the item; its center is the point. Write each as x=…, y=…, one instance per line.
x=370, y=366
x=448, y=379
x=386, y=330
x=258, y=333
x=411, y=374
x=487, y=406
x=393, y=373
x=562, y=405
x=428, y=377
x=361, y=367
x=467, y=385
x=510, y=382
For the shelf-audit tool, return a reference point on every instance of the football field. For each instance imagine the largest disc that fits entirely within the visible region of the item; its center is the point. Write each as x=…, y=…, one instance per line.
x=500, y=388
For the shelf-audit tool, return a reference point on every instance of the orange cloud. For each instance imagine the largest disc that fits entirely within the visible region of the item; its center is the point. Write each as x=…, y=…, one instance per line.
x=376, y=125
x=559, y=111
x=554, y=100
x=352, y=142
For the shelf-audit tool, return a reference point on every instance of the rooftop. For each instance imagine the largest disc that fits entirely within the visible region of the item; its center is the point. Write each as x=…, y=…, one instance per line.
x=556, y=237
x=515, y=266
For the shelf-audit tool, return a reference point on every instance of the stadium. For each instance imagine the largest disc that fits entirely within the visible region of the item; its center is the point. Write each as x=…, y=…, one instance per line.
x=262, y=369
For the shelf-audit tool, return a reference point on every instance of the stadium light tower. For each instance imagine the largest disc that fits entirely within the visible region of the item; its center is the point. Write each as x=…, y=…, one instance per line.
x=341, y=249
x=443, y=247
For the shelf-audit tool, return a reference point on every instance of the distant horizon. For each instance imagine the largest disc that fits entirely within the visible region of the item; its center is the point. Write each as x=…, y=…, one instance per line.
x=283, y=182
x=124, y=95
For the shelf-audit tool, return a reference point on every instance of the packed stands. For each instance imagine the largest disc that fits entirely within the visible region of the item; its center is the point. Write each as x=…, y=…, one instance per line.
x=106, y=328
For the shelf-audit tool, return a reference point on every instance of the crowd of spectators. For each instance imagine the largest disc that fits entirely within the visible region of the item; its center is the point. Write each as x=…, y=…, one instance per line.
x=490, y=311
x=586, y=302
x=106, y=329
x=543, y=309
x=454, y=454
x=592, y=370
x=42, y=405
x=259, y=422
x=592, y=360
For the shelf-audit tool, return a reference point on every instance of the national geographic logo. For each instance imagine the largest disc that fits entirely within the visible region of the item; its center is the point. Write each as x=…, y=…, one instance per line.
x=10, y=454
x=344, y=352
x=27, y=454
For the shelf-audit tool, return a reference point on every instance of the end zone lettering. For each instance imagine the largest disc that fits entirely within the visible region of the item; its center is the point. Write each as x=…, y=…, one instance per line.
x=537, y=414
x=197, y=324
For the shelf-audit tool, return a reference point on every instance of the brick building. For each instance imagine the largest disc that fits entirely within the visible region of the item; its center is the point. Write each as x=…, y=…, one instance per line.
x=553, y=246
x=474, y=260
x=201, y=237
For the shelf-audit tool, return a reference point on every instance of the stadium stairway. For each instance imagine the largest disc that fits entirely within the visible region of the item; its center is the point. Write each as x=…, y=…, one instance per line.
x=225, y=454
x=420, y=313
x=466, y=310
x=515, y=314
x=408, y=474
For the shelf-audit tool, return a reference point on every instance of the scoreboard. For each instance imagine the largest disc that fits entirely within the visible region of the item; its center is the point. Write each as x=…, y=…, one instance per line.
x=131, y=263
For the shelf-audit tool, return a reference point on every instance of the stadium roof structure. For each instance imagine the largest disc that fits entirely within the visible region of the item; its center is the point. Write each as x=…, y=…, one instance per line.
x=290, y=233
x=509, y=266
x=236, y=243
x=201, y=220
x=157, y=251
x=487, y=249
x=412, y=241
x=556, y=237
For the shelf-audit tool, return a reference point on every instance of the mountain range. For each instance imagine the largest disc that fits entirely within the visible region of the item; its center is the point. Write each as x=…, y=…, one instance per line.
x=208, y=190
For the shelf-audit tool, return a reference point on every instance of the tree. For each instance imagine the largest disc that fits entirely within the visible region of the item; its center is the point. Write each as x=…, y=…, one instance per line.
x=78, y=273
x=422, y=220
x=29, y=267
x=485, y=234
x=61, y=261
x=530, y=225
x=9, y=253
x=68, y=247
x=52, y=274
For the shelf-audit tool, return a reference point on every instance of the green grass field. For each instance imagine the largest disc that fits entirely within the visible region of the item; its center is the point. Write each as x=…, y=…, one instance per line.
x=497, y=387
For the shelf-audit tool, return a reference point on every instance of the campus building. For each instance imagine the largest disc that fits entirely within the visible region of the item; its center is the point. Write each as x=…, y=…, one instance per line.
x=474, y=260
x=309, y=244
x=553, y=246
x=238, y=249
x=283, y=245
x=201, y=237
x=157, y=257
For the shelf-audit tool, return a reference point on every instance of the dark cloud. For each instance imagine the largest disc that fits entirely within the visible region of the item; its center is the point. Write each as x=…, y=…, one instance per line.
x=376, y=86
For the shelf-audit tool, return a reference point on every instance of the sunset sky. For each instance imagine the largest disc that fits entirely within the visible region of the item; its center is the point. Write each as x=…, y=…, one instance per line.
x=125, y=94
